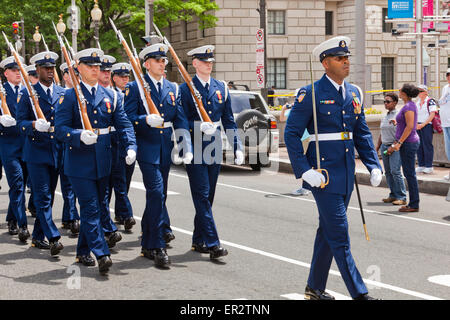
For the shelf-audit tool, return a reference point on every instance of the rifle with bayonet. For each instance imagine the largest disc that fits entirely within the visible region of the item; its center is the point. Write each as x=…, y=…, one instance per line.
x=187, y=78
x=138, y=74
x=55, y=72
x=33, y=95
x=82, y=102
x=135, y=52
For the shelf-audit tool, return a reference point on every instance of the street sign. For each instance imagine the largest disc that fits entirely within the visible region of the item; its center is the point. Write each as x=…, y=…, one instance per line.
x=260, y=58
x=400, y=9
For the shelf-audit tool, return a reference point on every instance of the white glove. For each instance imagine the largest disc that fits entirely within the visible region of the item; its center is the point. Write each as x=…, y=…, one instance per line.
x=314, y=178
x=131, y=157
x=375, y=177
x=7, y=121
x=208, y=128
x=239, y=157
x=88, y=137
x=153, y=120
x=188, y=158
x=41, y=125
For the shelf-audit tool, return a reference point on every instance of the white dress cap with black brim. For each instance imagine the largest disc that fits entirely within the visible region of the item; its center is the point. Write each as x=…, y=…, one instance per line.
x=44, y=59
x=10, y=63
x=92, y=56
x=155, y=51
x=107, y=62
x=121, y=69
x=31, y=70
x=334, y=47
x=204, y=53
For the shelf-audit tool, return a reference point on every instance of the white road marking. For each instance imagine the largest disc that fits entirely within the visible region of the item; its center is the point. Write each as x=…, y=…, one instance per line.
x=293, y=296
x=313, y=201
x=443, y=280
x=140, y=186
x=338, y=296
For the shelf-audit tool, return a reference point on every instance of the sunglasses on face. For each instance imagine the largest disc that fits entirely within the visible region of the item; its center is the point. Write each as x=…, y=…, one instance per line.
x=388, y=101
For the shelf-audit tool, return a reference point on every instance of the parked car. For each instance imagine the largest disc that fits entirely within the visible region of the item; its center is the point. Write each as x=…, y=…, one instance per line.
x=252, y=116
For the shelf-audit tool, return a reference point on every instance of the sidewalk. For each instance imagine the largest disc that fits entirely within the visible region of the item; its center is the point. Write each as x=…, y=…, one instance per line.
x=433, y=183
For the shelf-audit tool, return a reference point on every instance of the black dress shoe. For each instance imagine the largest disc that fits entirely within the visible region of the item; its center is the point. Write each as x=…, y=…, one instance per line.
x=32, y=212
x=74, y=227
x=118, y=220
x=55, y=247
x=148, y=253
x=168, y=236
x=201, y=248
x=217, y=252
x=66, y=225
x=104, y=263
x=311, y=294
x=112, y=238
x=365, y=297
x=12, y=228
x=129, y=223
x=162, y=260
x=24, y=234
x=85, y=260
x=40, y=244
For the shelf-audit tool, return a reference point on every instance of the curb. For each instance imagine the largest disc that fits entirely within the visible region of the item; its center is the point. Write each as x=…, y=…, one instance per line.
x=436, y=187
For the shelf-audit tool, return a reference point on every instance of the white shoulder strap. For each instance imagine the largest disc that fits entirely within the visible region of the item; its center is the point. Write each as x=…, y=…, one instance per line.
x=115, y=99
x=176, y=89
x=226, y=89
x=361, y=95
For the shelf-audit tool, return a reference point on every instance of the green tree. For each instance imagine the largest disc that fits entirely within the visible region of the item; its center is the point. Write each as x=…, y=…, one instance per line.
x=128, y=15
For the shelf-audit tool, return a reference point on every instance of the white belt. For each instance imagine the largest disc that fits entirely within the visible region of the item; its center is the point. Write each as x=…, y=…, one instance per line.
x=165, y=125
x=102, y=131
x=332, y=136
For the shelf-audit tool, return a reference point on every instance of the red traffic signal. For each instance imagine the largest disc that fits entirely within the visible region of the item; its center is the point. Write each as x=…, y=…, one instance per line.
x=15, y=26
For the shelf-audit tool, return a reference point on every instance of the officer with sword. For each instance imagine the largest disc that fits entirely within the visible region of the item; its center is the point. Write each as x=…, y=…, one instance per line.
x=332, y=109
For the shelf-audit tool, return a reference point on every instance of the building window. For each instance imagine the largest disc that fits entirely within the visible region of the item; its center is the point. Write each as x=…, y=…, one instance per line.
x=276, y=20
x=183, y=27
x=328, y=23
x=276, y=73
x=387, y=26
x=387, y=73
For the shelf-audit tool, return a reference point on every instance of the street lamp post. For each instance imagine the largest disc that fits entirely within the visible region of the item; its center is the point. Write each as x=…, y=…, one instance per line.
x=61, y=28
x=96, y=15
x=37, y=38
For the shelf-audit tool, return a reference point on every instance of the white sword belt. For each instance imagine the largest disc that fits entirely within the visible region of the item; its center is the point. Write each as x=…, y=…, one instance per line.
x=332, y=136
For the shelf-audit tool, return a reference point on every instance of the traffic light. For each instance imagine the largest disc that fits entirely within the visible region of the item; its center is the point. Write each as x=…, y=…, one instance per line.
x=15, y=26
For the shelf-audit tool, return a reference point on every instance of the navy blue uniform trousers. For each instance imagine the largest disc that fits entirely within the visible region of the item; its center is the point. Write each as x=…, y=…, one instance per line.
x=203, y=180
x=15, y=170
x=332, y=240
x=95, y=219
x=44, y=179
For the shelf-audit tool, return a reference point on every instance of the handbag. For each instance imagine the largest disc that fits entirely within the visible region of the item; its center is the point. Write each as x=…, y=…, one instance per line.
x=436, y=122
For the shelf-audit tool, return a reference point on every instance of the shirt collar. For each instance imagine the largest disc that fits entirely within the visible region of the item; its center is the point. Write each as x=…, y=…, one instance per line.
x=12, y=86
x=90, y=87
x=45, y=88
x=155, y=82
x=337, y=85
x=203, y=82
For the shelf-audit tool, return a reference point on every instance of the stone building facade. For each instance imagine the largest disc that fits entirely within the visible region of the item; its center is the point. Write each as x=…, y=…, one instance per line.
x=295, y=28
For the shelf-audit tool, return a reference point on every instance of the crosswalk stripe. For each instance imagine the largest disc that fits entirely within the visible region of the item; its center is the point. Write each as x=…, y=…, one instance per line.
x=443, y=280
x=293, y=296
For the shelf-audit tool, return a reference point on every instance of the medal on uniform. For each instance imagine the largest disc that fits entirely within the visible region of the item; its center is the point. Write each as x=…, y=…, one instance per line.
x=108, y=105
x=219, y=95
x=356, y=104
x=172, y=96
x=327, y=101
x=18, y=97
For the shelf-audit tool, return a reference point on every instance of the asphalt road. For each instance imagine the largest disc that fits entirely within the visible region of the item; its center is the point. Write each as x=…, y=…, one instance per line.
x=269, y=235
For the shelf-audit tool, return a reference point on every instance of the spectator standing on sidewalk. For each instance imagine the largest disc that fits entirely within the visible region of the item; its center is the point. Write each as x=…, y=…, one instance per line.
x=444, y=112
x=426, y=110
x=270, y=92
x=407, y=142
x=392, y=163
x=285, y=111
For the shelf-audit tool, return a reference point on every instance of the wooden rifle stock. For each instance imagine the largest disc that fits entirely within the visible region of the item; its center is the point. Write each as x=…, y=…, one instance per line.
x=187, y=78
x=76, y=86
x=34, y=98
x=137, y=70
x=5, y=109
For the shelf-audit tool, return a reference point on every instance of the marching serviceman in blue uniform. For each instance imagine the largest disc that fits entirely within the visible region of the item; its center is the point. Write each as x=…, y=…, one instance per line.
x=87, y=160
x=341, y=128
x=40, y=150
x=70, y=217
x=154, y=138
x=120, y=73
x=11, y=143
x=204, y=172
